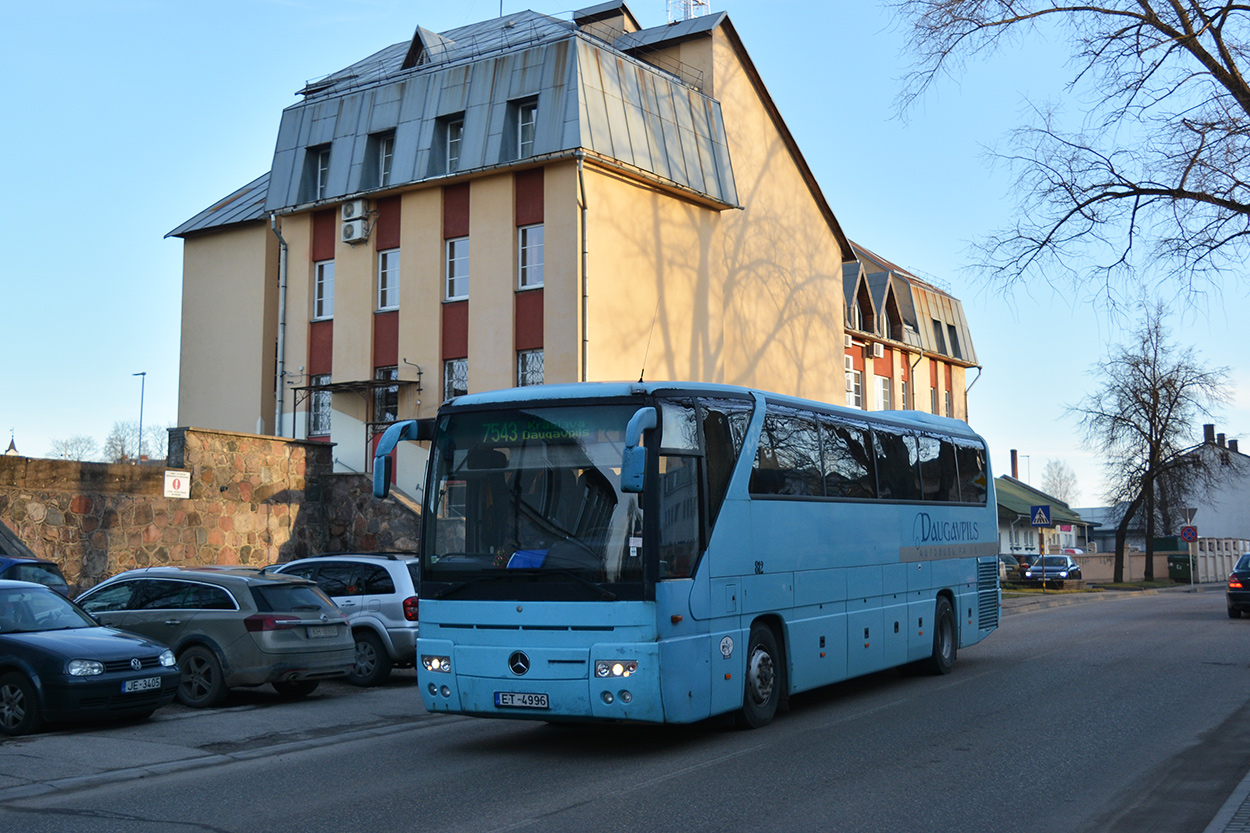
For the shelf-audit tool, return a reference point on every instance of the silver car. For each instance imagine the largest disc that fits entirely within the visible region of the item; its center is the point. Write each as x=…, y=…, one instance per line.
x=378, y=592
x=230, y=627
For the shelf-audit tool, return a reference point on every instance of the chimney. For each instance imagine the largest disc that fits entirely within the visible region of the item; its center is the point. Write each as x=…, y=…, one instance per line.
x=1015, y=464
x=1219, y=440
x=1208, y=433
x=1232, y=446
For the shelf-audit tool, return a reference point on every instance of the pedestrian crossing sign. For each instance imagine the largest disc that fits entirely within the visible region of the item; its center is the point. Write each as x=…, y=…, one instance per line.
x=1040, y=515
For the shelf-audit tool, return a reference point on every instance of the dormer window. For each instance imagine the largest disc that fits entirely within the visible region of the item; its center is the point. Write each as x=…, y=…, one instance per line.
x=455, y=136
x=323, y=173
x=386, y=155
x=527, y=117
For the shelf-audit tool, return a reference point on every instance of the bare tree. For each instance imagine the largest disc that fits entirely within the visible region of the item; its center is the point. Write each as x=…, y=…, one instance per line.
x=1157, y=171
x=77, y=447
x=1059, y=480
x=1150, y=395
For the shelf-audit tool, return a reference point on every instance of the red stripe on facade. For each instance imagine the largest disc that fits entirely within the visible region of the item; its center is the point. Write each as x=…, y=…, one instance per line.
x=386, y=339
x=324, y=227
x=386, y=230
x=529, y=320
x=529, y=197
x=455, y=211
x=320, y=347
x=455, y=330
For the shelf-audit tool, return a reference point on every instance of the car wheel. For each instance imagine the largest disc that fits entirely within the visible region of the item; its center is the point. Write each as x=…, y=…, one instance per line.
x=295, y=689
x=203, y=683
x=945, y=640
x=765, y=678
x=1234, y=613
x=373, y=664
x=19, y=705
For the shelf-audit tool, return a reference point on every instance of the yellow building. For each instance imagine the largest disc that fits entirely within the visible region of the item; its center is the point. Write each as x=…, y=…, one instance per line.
x=529, y=200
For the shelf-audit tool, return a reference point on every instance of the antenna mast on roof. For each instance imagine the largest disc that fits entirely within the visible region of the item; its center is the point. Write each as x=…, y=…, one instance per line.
x=679, y=10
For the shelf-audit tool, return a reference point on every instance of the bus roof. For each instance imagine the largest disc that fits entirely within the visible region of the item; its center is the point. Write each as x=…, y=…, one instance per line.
x=552, y=394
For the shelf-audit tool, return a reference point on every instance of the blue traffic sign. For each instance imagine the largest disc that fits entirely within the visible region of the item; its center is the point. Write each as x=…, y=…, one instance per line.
x=1189, y=534
x=1039, y=515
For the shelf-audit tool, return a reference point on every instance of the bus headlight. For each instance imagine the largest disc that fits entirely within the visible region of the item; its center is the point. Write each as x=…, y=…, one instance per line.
x=615, y=668
x=440, y=664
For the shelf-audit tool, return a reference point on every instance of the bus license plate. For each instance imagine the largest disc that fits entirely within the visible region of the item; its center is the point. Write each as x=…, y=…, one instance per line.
x=146, y=684
x=520, y=700
x=315, y=631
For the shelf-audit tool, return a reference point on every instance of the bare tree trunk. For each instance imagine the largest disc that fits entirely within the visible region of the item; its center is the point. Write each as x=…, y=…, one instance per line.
x=1149, y=490
x=1121, y=536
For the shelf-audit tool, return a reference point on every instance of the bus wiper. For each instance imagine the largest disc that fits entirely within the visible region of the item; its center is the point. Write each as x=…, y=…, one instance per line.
x=565, y=571
x=460, y=585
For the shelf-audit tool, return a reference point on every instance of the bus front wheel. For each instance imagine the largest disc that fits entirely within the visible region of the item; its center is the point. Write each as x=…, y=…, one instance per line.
x=765, y=678
x=945, y=639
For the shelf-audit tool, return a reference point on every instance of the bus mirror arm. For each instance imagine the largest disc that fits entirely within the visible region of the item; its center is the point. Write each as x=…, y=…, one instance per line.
x=634, y=459
x=383, y=464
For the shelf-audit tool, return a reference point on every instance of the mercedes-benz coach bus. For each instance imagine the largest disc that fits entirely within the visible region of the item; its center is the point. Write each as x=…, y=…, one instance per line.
x=666, y=552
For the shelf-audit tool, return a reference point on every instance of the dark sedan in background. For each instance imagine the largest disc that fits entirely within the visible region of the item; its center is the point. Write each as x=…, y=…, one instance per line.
x=1052, y=569
x=1238, y=592
x=57, y=663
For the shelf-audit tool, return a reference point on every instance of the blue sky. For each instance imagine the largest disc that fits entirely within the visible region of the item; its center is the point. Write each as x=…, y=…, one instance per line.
x=125, y=118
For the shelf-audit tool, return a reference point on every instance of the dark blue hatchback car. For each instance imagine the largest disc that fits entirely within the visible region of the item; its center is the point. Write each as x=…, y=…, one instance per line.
x=38, y=570
x=57, y=663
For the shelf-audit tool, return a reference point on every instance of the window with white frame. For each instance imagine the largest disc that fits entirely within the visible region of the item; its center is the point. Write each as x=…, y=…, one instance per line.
x=388, y=279
x=933, y=401
x=323, y=173
x=946, y=397
x=319, y=406
x=854, y=384
x=530, y=256
x=323, y=290
x=529, y=367
x=527, y=117
x=883, y=393
x=386, y=156
x=386, y=399
x=904, y=403
x=455, y=378
x=457, y=287
x=455, y=135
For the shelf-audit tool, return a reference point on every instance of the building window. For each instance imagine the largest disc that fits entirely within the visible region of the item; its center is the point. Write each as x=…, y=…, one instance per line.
x=939, y=342
x=386, y=155
x=854, y=389
x=946, y=400
x=319, y=407
x=455, y=135
x=323, y=172
x=529, y=368
x=904, y=403
x=527, y=116
x=323, y=290
x=388, y=279
x=933, y=401
x=530, y=256
x=954, y=341
x=457, y=269
x=386, y=399
x=883, y=393
x=455, y=378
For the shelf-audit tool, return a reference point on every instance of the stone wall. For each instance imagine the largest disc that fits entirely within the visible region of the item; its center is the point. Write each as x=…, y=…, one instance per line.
x=254, y=500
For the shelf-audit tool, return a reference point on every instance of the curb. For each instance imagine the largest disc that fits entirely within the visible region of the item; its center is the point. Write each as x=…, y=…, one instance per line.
x=1027, y=605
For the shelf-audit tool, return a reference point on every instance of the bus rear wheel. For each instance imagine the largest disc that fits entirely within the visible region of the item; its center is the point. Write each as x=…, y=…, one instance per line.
x=765, y=678
x=945, y=640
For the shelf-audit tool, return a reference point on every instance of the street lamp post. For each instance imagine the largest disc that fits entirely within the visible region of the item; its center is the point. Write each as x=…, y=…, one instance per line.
x=143, y=380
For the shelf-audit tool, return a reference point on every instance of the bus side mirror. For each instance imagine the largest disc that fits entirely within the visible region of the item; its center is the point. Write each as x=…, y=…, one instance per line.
x=634, y=459
x=383, y=465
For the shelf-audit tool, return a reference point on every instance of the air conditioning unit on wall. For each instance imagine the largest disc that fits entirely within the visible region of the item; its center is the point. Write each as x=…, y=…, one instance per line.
x=848, y=342
x=878, y=351
x=355, y=231
x=355, y=210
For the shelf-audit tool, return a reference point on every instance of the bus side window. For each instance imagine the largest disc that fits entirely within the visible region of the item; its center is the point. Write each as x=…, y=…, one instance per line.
x=898, y=472
x=679, y=515
x=972, y=475
x=937, y=469
x=788, y=459
x=725, y=424
x=848, y=469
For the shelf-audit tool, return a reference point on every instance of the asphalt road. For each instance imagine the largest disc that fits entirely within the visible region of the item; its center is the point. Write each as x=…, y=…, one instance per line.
x=1118, y=716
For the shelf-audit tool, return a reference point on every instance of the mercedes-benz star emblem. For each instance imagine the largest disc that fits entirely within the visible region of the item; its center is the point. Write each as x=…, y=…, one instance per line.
x=135, y=663
x=519, y=663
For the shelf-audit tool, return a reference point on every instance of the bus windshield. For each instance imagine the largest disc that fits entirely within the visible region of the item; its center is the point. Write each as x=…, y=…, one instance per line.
x=532, y=493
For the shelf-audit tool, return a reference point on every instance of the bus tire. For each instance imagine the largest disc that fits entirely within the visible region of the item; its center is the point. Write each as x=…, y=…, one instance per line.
x=765, y=678
x=945, y=640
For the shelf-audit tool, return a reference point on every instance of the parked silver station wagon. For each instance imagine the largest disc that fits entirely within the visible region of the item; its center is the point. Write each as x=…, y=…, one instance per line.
x=378, y=592
x=230, y=627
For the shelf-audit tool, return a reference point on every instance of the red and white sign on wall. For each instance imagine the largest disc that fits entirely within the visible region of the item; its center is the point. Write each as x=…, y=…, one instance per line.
x=178, y=484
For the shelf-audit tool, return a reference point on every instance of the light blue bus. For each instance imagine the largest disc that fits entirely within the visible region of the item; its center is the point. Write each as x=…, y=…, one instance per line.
x=667, y=552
